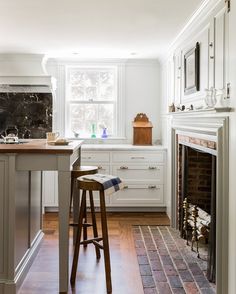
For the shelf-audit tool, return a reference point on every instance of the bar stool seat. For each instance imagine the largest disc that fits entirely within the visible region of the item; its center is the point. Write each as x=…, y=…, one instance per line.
x=77, y=172
x=90, y=186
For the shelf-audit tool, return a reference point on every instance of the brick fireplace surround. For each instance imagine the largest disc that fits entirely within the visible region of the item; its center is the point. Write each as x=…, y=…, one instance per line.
x=198, y=166
x=204, y=135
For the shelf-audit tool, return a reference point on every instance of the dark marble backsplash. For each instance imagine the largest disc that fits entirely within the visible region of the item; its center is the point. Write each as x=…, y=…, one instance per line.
x=28, y=114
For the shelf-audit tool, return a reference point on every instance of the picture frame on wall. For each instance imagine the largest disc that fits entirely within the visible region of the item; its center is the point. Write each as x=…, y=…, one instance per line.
x=192, y=70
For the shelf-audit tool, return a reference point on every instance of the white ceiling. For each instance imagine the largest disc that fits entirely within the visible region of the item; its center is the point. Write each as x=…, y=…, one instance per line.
x=93, y=28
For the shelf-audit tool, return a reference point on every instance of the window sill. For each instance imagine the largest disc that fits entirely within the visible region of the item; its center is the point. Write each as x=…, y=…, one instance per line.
x=109, y=140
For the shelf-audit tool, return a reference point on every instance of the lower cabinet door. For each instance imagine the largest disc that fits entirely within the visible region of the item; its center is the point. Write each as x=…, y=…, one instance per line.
x=50, y=188
x=135, y=195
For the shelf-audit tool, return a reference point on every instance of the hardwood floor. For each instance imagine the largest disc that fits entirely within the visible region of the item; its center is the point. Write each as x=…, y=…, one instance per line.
x=43, y=275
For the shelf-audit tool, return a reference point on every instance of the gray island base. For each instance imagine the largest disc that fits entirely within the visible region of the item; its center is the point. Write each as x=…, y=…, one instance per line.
x=21, y=205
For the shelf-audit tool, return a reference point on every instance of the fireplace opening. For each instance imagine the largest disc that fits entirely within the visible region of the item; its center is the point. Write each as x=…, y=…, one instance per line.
x=197, y=183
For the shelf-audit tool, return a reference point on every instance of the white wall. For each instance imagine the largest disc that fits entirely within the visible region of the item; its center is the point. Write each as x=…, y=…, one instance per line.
x=141, y=92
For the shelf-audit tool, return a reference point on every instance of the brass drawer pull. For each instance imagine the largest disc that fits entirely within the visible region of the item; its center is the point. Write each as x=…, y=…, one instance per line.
x=137, y=157
x=124, y=167
x=152, y=187
x=154, y=167
x=126, y=187
x=100, y=167
x=89, y=157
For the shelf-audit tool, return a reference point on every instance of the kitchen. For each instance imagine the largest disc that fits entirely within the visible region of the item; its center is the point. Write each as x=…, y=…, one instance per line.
x=87, y=79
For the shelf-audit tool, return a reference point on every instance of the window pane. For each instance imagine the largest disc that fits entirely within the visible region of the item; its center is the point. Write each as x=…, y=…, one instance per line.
x=82, y=117
x=106, y=85
x=77, y=93
x=91, y=84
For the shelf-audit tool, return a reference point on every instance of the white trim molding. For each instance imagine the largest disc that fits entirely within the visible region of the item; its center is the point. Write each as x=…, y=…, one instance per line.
x=215, y=128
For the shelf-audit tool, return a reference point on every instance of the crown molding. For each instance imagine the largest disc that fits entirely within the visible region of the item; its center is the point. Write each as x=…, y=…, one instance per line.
x=197, y=18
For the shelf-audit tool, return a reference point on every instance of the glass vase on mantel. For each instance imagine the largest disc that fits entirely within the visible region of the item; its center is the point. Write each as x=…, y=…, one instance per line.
x=210, y=98
x=220, y=101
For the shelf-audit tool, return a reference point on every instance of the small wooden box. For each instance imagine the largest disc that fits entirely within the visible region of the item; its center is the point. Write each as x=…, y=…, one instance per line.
x=142, y=130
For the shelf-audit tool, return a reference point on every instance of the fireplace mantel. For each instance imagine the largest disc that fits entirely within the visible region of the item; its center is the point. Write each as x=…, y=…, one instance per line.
x=201, y=111
x=212, y=126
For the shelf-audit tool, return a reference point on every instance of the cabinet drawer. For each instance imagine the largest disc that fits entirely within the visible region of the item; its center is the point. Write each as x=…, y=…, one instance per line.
x=95, y=156
x=139, y=172
x=139, y=195
x=138, y=156
x=102, y=168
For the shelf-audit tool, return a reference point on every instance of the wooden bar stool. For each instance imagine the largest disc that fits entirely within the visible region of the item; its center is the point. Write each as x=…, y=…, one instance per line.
x=77, y=172
x=86, y=185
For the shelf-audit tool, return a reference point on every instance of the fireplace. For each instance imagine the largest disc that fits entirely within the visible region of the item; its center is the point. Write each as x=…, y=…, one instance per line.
x=197, y=186
x=200, y=171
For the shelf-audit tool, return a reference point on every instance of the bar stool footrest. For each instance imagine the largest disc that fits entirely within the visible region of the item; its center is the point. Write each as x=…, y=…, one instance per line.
x=91, y=241
x=84, y=225
x=95, y=243
x=87, y=225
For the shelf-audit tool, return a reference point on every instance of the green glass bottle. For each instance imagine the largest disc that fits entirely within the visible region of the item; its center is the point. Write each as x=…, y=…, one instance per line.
x=93, y=135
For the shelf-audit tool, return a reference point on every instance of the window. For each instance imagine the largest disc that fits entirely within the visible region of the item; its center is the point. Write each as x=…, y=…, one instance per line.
x=92, y=100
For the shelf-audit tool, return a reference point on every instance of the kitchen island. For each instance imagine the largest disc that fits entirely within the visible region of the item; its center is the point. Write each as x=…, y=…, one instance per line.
x=21, y=205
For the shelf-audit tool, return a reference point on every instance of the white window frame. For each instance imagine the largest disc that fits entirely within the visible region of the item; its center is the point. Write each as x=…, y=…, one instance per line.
x=119, y=123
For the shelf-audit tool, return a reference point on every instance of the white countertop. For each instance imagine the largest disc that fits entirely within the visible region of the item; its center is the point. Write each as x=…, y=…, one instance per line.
x=122, y=147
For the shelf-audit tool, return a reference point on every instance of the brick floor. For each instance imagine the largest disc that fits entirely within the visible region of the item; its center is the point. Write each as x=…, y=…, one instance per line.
x=167, y=265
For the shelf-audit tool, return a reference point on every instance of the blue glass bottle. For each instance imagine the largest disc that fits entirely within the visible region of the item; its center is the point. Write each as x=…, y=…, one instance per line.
x=104, y=133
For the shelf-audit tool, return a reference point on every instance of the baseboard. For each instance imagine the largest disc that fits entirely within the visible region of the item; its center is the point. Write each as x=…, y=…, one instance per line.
x=119, y=209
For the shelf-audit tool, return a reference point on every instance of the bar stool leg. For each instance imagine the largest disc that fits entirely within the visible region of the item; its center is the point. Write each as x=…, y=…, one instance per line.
x=76, y=209
x=94, y=223
x=78, y=238
x=71, y=191
x=105, y=242
x=85, y=233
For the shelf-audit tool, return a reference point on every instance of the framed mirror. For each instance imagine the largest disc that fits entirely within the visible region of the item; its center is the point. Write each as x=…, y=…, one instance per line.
x=192, y=70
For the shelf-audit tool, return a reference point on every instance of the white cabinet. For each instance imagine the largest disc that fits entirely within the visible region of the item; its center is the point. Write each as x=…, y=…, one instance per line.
x=142, y=171
x=143, y=176
x=211, y=31
x=220, y=47
x=135, y=195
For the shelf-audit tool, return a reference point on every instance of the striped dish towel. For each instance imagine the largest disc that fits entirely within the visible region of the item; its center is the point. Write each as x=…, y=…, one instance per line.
x=110, y=183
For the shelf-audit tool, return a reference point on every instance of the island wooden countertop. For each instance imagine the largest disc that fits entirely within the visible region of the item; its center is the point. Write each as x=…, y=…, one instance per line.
x=40, y=146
